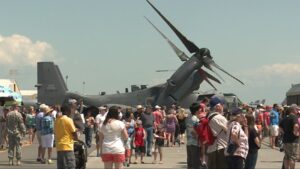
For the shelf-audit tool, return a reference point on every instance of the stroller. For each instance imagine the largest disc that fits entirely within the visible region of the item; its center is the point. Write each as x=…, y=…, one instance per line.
x=81, y=155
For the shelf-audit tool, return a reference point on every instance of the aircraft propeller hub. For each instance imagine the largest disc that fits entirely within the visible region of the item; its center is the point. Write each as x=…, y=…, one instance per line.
x=204, y=52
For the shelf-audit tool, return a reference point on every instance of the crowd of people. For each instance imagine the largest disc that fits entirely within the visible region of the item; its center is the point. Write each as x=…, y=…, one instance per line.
x=214, y=137
x=232, y=139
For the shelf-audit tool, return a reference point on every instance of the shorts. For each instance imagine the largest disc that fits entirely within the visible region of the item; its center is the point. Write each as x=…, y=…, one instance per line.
x=115, y=158
x=274, y=130
x=140, y=149
x=127, y=153
x=47, y=140
x=158, y=149
x=291, y=151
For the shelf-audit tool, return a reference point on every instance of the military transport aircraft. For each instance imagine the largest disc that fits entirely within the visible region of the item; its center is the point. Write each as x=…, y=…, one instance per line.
x=179, y=88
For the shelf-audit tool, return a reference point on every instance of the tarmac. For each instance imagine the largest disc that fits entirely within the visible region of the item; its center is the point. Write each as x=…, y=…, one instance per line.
x=174, y=157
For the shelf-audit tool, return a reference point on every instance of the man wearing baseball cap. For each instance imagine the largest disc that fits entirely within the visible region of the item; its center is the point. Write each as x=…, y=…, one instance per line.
x=218, y=126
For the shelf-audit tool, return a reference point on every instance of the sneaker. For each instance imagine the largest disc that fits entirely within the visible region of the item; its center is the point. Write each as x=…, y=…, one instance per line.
x=10, y=162
x=154, y=162
x=43, y=161
x=18, y=162
x=50, y=161
x=38, y=159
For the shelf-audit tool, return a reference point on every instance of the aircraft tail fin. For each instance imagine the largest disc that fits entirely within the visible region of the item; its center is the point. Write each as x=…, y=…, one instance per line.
x=51, y=85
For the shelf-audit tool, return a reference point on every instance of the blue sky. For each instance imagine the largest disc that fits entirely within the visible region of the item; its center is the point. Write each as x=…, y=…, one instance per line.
x=109, y=45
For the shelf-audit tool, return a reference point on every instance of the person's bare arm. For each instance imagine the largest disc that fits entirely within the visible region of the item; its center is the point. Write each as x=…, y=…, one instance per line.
x=101, y=137
x=296, y=129
x=124, y=134
x=257, y=141
x=145, y=134
x=75, y=135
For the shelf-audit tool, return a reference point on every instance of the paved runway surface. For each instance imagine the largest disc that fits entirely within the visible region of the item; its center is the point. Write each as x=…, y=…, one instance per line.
x=174, y=157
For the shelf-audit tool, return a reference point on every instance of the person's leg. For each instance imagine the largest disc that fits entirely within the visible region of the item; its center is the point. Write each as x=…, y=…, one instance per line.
x=271, y=136
x=228, y=161
x=86, y=135
x=149, y=140
x=294, y=155
x=202, y=154
x=130, y=156
x=91, y=136
x=118, y=165
x=195, y=155
x=18, y=149
x=287, y=155
x=11, y=147
x=168, y=139
x=33, y=135
x=1, y=137
x=155, y=154
x=136, y=154
x=30, y=135
x=43, y=152
x=249, y=161
x=97, y=144
x=173, y=139
x=50, y=153
x=40, y=149
x=142, y=154
x=60, y=160
x=188, y=157
x=108, y=165
x=239, y=162
x=160, y=153
x=220, y=159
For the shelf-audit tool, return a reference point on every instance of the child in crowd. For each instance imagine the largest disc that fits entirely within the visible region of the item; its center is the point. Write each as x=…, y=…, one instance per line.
x=160, y=137
x=139, y=141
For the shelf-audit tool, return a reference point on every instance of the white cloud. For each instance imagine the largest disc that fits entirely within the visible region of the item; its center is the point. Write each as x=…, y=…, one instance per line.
x=21, y=50
x=278, y=69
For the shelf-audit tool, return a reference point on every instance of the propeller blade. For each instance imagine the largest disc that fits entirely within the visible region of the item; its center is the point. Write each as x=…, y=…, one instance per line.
x=192, y=48
x=212, y=63
x=211, y=77
x=182, y=56
x=211, y=69
x=204, y=76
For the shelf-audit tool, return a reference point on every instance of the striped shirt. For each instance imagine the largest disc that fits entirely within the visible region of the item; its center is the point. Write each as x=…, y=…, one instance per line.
x=243, y=148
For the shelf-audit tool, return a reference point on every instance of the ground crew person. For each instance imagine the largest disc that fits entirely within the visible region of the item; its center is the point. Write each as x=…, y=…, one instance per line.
x=15, y=129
